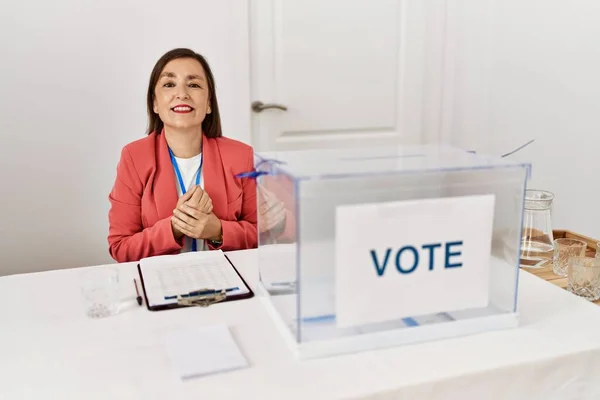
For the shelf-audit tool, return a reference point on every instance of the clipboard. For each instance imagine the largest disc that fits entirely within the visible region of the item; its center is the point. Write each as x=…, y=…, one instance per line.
x=171, y=306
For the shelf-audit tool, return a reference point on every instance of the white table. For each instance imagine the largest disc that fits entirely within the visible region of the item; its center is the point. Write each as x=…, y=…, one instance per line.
x=50, y=350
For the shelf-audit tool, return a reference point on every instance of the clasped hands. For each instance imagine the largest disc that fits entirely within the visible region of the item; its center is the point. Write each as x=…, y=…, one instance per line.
x=193, y=216
x=271, y=210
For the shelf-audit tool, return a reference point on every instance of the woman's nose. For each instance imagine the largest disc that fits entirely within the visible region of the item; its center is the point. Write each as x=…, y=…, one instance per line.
x=182, y=93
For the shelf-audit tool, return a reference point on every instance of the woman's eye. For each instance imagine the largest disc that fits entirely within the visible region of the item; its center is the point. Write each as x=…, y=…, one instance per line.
x=194, y=85
x=169, y=84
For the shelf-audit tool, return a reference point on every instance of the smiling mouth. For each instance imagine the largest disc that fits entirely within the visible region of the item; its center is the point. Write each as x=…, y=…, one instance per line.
x=182, y=109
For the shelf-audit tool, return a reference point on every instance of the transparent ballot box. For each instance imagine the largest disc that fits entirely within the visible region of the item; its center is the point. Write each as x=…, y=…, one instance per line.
x=374, y=247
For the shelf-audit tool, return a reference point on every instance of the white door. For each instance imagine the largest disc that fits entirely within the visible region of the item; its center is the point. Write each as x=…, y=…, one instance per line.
x=345, y=72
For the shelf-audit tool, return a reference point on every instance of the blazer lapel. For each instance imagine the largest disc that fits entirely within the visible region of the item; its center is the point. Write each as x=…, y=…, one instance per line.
x=214, y=179
x=165, y=189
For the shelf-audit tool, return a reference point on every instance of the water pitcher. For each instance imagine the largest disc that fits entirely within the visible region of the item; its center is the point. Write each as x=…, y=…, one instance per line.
x=537, y=241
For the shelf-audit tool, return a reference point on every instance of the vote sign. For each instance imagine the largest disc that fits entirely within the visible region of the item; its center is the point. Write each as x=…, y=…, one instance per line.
x=410, y=258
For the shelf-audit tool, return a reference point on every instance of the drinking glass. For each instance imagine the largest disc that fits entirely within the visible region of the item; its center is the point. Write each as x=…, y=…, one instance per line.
x=584, y=277
x=564, y=248
x=100, y=289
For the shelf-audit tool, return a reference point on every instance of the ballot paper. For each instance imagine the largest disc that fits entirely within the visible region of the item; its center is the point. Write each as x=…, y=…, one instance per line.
x=166, y=277
x=203, y=351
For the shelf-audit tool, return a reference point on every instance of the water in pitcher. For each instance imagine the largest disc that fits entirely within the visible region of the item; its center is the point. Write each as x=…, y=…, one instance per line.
x=537, y=241
x=536, y=251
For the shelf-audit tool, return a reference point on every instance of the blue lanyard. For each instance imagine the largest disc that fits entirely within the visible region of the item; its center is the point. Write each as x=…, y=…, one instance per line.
x=182, y=186
x=178, y=173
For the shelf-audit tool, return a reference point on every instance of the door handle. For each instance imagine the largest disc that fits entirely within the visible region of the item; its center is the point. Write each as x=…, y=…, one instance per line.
x=259, y=106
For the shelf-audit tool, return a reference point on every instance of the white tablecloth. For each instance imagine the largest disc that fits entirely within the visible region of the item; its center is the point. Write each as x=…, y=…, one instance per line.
x=49, y=349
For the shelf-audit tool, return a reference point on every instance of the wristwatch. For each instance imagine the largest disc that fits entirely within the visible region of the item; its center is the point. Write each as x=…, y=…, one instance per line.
x=216, y=243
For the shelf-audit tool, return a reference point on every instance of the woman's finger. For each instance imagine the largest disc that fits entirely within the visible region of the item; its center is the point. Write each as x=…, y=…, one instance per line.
x=204, y=201
x=188, y=195
x=183, y=227
x=272, y=219
x=195, y=199
x=190, y=211
x=272, y=208
x=186, y=219
x=279, y=214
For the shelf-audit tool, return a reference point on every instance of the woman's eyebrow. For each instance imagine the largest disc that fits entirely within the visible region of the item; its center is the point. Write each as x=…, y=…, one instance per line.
x=199, y=77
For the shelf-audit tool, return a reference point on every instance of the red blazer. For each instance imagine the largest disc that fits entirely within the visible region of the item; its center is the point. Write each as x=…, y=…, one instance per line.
x=145, y=194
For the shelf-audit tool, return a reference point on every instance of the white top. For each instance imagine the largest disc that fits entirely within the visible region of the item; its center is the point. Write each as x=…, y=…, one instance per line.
x=50, y=350
x=189, y=168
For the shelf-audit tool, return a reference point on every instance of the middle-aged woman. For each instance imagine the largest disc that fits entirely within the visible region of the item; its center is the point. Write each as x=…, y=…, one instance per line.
x=176, y=189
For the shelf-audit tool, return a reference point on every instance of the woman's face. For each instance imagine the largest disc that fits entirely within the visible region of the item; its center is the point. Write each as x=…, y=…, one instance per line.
x=181, y=94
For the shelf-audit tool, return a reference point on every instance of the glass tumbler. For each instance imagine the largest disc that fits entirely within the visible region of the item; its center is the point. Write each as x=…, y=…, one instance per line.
x=100, y=289
x=564, y=249
x=537, y=240
x=584, y=277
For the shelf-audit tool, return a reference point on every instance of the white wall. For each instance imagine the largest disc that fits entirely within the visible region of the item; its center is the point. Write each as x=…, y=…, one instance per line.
x=521, y=69
x=75, y=74
x=74, y=78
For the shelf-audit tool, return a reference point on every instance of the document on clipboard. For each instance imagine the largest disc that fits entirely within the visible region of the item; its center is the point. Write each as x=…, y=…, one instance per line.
x=186, y=279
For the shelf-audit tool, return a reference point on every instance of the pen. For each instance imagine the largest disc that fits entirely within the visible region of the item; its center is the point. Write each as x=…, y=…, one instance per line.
x=138, y=298
x=201, y=293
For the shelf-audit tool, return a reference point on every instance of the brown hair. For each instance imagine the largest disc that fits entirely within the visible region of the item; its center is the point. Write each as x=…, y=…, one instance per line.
x=211, y=126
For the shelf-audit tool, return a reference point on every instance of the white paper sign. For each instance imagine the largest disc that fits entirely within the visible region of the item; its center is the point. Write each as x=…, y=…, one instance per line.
x=384, y=269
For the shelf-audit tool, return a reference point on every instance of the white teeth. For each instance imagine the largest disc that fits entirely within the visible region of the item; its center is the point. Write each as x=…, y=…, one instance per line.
x=182, y=108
